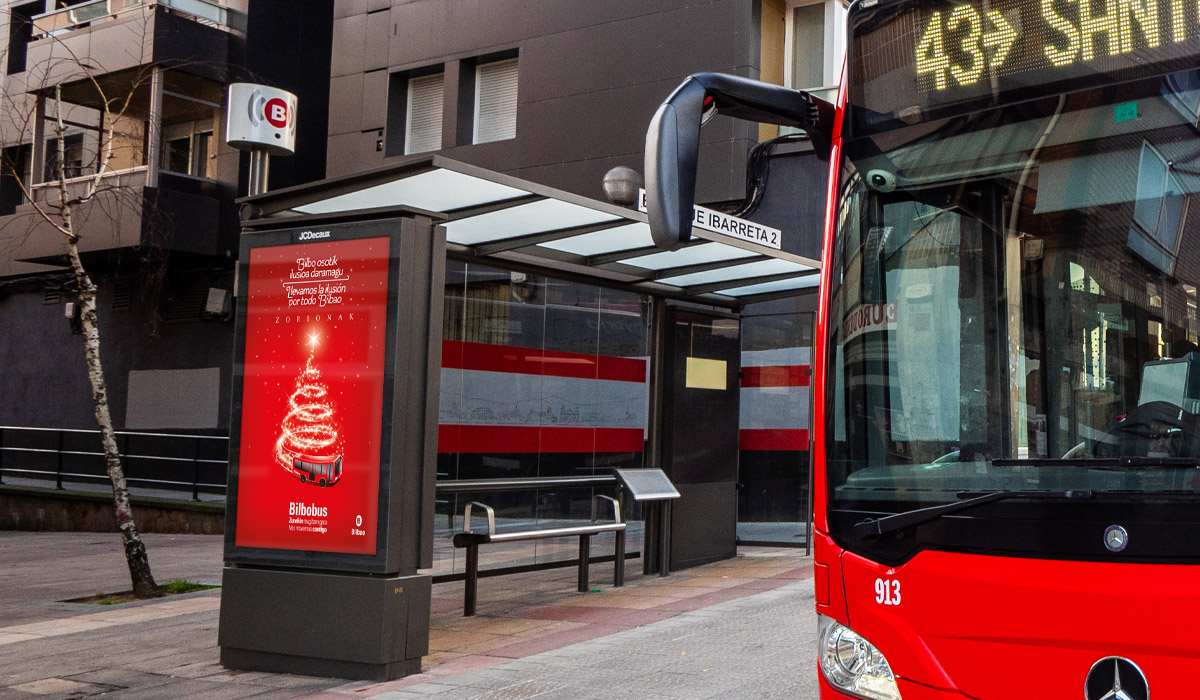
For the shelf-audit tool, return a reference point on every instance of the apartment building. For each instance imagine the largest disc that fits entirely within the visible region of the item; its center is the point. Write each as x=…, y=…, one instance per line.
x=160, y=236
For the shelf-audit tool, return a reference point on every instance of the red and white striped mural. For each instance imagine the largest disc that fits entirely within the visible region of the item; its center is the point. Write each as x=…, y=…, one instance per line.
x=510, y=399
x=775, y=398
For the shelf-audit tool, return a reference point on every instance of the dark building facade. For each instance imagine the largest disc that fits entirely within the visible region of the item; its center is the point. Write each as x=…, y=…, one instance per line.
x=590, y=75
x=557, y=93
x=560, y=94
x=161, y=237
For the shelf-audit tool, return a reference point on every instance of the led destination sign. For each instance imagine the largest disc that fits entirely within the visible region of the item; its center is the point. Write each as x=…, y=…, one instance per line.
x=961, y=46
x=908, y=57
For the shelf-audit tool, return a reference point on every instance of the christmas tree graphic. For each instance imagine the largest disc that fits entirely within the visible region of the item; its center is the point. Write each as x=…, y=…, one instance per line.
x=309, y=446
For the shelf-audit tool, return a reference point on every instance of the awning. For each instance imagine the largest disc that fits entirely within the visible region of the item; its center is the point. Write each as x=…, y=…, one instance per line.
x=511, y=223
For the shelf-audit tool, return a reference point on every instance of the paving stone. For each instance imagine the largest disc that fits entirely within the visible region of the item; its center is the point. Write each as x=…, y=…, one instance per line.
x=193, y=690
x=11, y=637
x=122, y=678
x=282, y=694
x=57, y=686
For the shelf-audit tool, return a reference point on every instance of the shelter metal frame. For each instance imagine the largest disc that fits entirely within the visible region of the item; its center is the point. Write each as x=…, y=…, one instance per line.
x=497, y=219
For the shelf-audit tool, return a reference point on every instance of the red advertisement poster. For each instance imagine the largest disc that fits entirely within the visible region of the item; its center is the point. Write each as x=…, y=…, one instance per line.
x=312, y=397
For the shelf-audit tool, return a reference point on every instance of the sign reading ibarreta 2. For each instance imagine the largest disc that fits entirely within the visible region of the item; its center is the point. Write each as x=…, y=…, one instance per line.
x=732, y=226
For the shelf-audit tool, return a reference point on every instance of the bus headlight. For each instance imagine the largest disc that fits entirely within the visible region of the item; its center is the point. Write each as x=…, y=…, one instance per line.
x=853, y=665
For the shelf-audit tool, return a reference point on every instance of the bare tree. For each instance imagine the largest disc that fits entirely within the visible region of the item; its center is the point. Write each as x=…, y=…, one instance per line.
x=56, y=207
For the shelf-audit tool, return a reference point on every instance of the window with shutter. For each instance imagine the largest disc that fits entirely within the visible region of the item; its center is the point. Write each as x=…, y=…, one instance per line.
x=495, y=101
x=423, y=123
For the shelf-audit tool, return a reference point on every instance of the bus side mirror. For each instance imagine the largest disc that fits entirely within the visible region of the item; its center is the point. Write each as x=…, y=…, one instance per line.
x=673, y=140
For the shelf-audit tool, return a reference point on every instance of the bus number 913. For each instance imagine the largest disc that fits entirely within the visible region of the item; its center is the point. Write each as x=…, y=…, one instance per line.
x=887, y=591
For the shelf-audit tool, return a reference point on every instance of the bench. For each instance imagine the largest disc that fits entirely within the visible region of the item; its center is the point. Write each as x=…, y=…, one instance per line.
x=470, y=540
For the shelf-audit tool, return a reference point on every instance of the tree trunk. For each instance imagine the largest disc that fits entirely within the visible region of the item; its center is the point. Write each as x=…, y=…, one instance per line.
x=144, y=585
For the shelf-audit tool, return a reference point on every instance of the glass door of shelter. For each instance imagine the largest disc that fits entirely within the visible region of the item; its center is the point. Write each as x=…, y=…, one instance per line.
x=775, y=420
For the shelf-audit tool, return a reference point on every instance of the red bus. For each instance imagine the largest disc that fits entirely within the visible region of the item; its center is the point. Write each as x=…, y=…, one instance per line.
x=322, y=471
x=1007, y=426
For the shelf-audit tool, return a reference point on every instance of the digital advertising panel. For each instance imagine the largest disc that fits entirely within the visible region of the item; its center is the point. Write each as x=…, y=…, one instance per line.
x=312, y=395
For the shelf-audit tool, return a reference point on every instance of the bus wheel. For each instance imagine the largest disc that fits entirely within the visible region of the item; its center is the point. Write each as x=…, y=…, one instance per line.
x=322, y=484
x=304, y=478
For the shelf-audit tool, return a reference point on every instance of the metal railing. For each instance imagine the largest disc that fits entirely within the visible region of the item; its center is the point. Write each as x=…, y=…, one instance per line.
x=66, y=455
x=204, y=11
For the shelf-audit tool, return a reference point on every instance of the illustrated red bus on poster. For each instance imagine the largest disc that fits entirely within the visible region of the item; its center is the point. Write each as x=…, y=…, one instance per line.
x=312, y=397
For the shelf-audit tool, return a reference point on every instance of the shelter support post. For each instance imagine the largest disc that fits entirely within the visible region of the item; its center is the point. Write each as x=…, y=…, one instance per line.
x=655, y=533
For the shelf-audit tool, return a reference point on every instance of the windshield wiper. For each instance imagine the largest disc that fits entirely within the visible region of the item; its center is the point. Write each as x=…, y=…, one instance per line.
x=1057, y=462
x=899, y=521
x=1103, y=462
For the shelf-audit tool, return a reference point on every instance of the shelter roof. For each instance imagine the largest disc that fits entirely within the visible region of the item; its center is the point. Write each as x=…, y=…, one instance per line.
x=494, y=218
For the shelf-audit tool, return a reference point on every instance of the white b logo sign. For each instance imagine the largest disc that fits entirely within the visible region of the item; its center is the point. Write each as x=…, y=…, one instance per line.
x=261, y=117
x=358, y=521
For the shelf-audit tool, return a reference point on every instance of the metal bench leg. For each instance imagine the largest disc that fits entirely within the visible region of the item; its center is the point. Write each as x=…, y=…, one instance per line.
x=471, y=581
x=619, y=563
x=585, y=554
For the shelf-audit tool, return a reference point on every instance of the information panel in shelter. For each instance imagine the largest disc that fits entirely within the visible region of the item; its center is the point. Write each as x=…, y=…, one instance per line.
x=312, y=397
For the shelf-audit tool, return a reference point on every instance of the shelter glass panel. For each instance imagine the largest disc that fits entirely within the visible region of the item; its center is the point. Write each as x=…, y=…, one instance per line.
x=775, y=419
x=540, y=377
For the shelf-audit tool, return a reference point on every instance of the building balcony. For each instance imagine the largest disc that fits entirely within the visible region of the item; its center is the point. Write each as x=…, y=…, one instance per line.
x=94, y=12
x=104, y=37
x=182, y=214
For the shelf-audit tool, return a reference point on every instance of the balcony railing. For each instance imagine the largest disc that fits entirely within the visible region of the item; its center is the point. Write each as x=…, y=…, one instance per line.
x=113, y=179
x=174, y=465
x=86, y=13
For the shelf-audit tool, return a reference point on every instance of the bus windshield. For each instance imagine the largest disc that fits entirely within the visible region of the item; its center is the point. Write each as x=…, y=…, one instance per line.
x=1013, y=302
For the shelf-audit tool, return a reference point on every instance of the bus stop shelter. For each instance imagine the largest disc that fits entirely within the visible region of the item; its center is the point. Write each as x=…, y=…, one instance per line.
x=422, y=213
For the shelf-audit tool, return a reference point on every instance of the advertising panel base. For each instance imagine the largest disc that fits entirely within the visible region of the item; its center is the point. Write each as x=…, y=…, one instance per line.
x=324, y=624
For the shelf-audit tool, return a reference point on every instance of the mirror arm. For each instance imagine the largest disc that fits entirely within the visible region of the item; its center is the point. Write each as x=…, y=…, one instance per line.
x=673, y=140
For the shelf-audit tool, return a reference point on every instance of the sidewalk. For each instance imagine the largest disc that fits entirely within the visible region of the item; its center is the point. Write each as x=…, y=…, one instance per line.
x=531, y=638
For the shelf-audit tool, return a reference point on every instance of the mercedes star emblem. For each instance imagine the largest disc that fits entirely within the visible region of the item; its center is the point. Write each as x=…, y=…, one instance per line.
x=1116, y=678
x=1115, y=538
